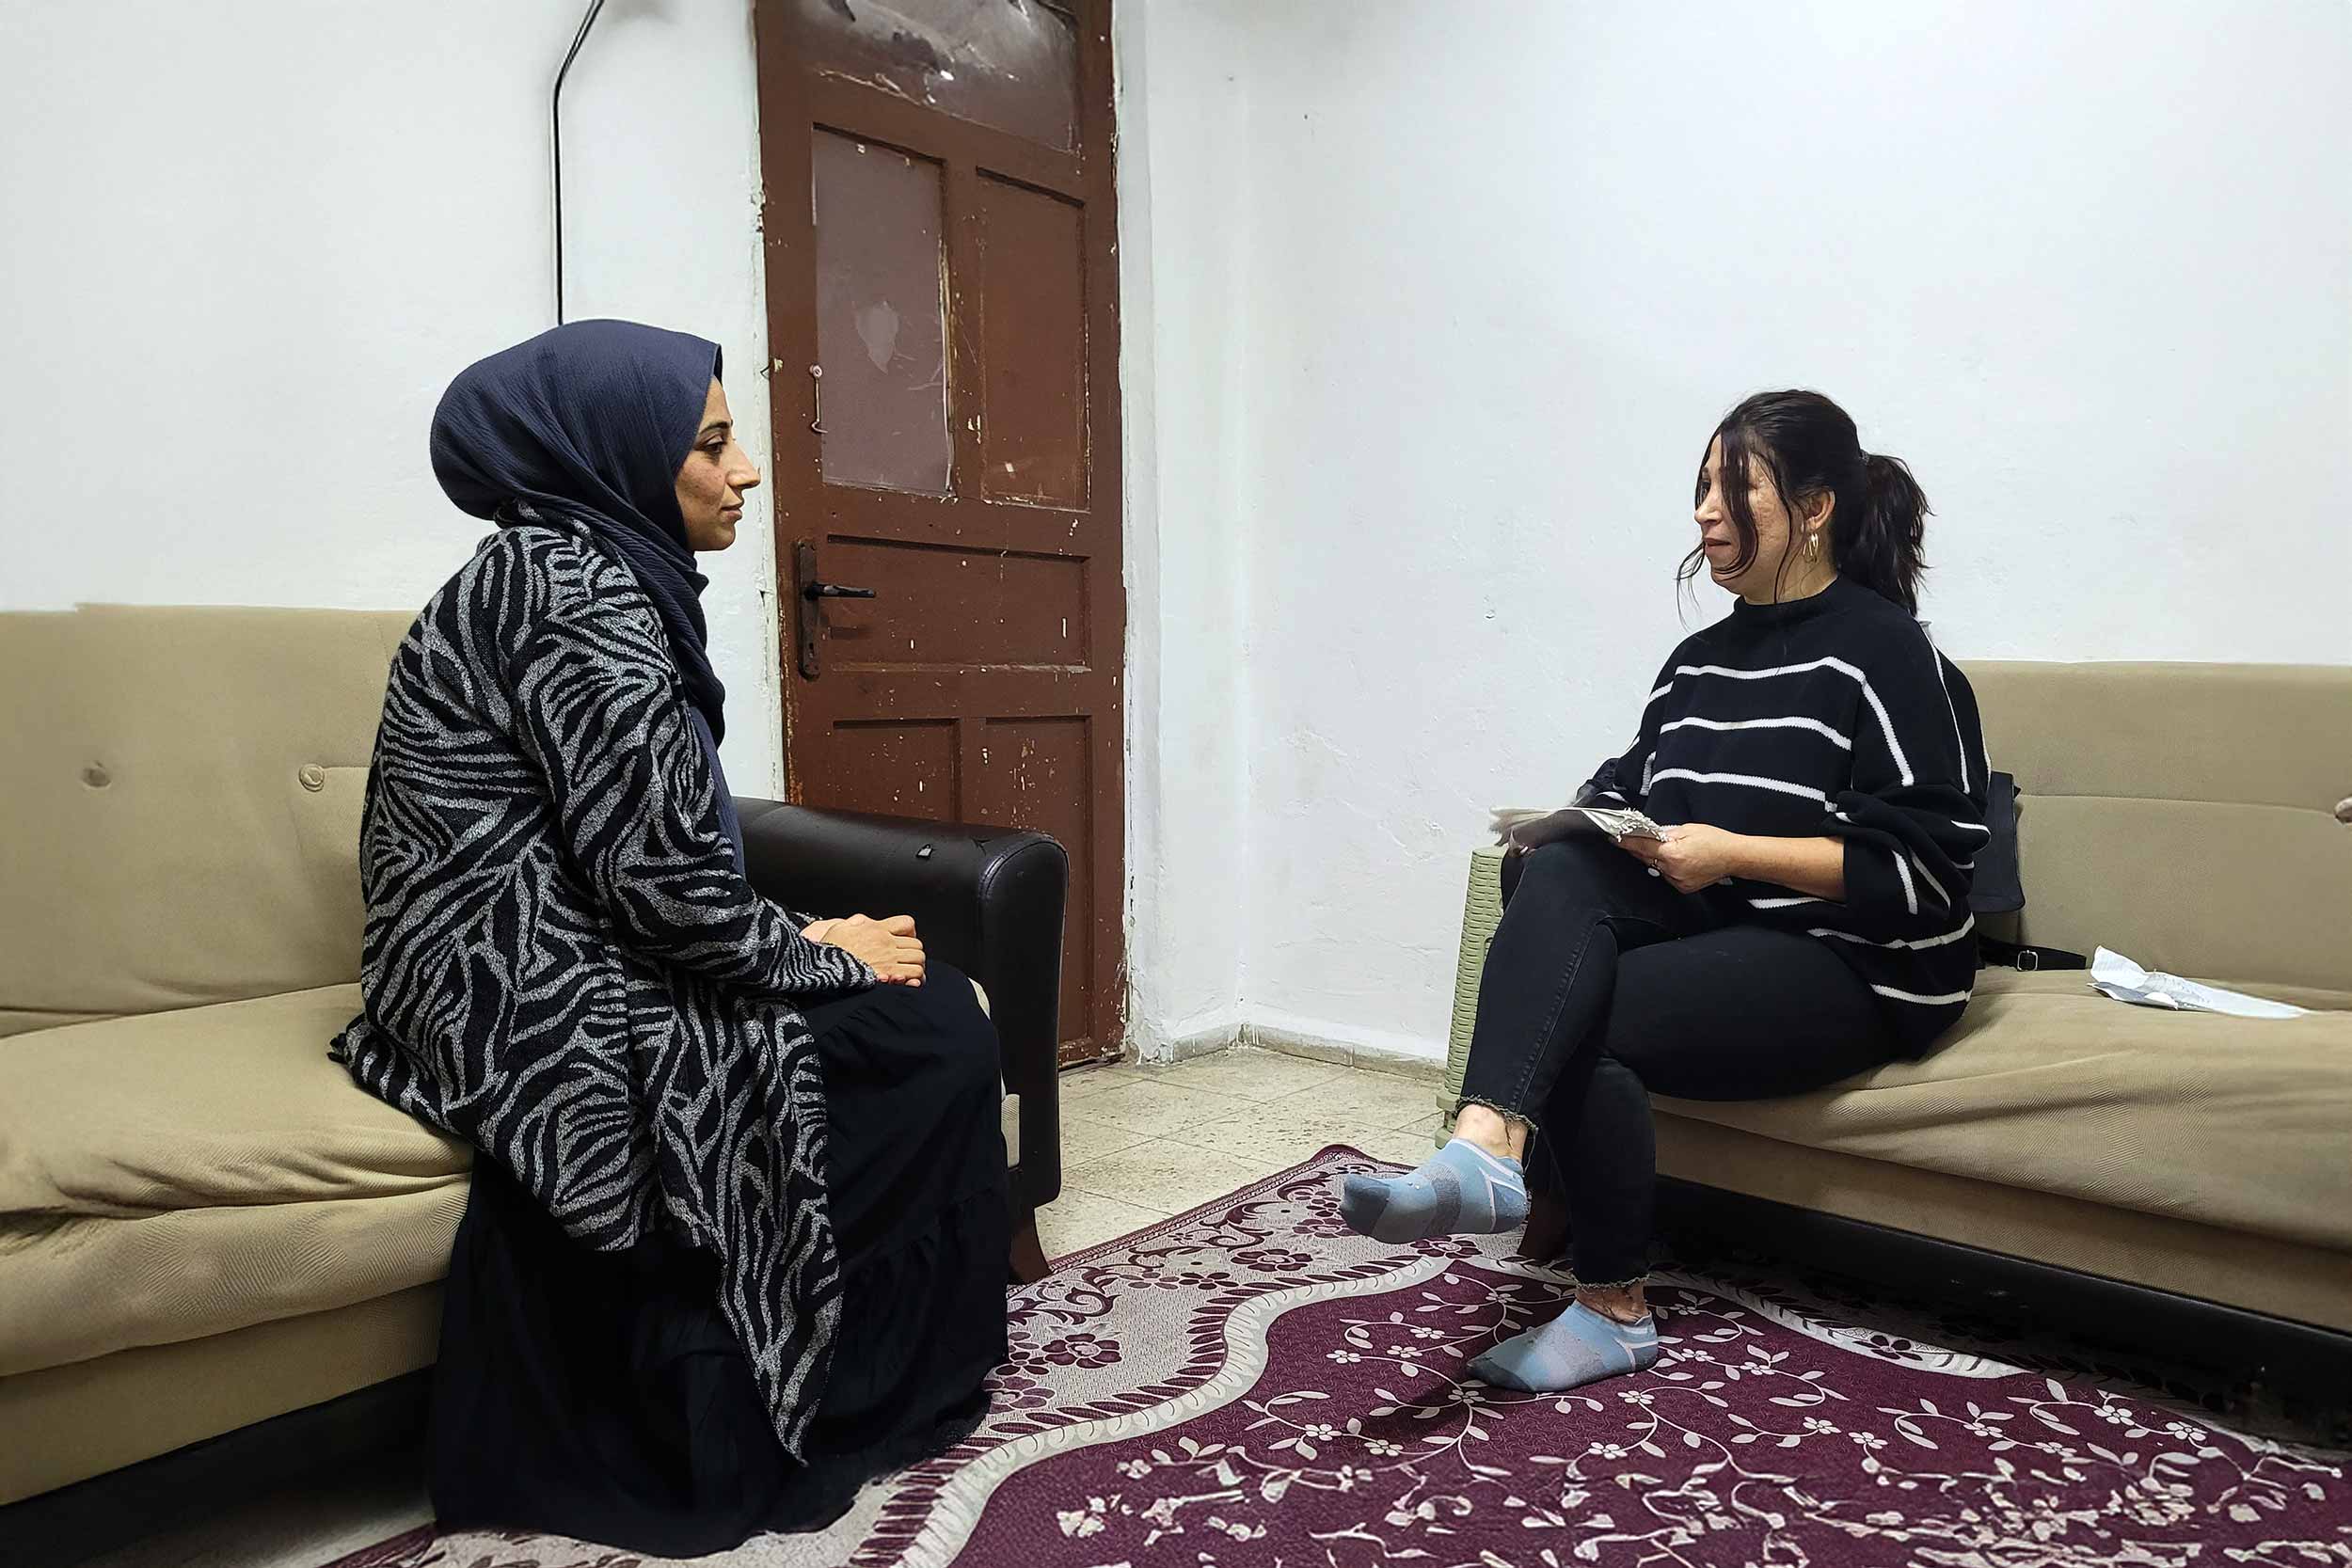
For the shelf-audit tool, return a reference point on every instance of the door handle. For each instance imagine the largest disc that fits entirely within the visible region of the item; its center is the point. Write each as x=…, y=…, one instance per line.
x=808, y=592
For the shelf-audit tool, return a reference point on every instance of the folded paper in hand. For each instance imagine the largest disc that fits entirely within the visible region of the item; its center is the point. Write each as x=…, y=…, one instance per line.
x=2113, y=974
x=1524, y=830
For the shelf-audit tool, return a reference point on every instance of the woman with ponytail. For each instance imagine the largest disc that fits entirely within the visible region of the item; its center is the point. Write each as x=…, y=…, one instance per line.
x=1820, y=776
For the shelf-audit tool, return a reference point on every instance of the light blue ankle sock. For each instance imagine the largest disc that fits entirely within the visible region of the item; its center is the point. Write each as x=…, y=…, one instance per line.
x=1459, y=1190
x=1579, y=1346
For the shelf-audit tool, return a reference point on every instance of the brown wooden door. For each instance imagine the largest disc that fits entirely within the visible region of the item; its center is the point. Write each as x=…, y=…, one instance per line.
x=944, y=350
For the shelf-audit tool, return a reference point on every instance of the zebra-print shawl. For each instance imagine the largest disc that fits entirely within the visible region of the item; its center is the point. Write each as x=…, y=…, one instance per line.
x=562, y=964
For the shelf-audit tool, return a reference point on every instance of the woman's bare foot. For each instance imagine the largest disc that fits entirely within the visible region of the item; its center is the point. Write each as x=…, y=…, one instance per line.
x=1504, y=1138
x=1624, y=1304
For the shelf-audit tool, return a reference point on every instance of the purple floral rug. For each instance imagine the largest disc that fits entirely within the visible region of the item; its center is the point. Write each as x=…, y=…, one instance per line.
x=1250, y=1384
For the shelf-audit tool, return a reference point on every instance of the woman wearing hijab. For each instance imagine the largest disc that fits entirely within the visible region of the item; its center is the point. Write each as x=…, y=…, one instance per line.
x=738, y=1233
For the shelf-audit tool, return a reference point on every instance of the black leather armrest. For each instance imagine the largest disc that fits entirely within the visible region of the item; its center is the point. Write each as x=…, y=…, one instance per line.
x=985, y=900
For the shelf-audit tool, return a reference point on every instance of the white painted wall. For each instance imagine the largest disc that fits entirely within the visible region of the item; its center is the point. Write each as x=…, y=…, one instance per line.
x=247, y=246
x=1429, y=305
x=1440, y=340
x=1182, y=128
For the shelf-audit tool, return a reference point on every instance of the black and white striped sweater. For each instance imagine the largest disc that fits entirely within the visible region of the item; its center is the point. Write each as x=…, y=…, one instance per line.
x=1831, y=716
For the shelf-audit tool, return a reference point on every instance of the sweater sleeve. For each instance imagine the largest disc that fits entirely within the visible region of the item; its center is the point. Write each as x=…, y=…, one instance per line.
x=1623, y=781
x=598, y=713
x=1914, y=817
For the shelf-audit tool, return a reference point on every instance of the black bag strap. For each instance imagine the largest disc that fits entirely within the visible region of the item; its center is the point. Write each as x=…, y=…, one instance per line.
x=1995, y=953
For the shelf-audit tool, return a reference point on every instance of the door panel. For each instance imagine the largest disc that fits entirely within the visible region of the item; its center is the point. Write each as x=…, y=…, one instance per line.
x=943, y=331
x=962, y=607
x=1024, y=773
x=919, y=759
x=1033, y=420
x=1009, y=64
x=882, y=316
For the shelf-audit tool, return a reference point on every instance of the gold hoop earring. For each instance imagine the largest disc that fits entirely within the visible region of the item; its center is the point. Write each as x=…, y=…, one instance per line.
x=1813, y=545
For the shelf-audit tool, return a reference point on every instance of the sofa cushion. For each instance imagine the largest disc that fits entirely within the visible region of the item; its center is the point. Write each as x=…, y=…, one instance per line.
x=2047, y=1085
x=195, y=778
x=97, y=1415
x=2182, y=813
x=82, y=1287
x=236, y=1104
x=188, y=1173
x=2210, y=1263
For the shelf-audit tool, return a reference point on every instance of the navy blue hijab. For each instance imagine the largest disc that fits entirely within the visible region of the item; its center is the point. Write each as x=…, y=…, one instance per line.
x=592, y=421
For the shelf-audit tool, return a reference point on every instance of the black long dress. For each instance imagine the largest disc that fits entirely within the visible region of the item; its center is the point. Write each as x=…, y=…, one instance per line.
x=601, y=1395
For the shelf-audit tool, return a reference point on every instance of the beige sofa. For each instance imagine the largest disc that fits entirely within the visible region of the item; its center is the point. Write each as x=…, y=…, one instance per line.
x=203, y=1223
x=2182, y=815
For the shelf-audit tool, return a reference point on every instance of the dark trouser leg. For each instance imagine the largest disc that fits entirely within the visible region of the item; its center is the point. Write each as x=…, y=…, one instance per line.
x=1570, y=909
x=1739, y=1013
x=1546, y=983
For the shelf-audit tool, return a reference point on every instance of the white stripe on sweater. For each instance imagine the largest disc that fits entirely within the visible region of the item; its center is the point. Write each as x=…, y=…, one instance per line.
x=1753, y=780
x=1959, y=744
x=1911, y=891
x=1931, y=881
x=1947, y=999
x=1886, y=725
x=1791, y=723
x=1785, y=903
x=1660, y=692
x=1973, y=827
x=1825, y=662
x=1965, y=927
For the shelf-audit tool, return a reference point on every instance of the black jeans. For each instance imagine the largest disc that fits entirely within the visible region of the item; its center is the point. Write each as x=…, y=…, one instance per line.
x=1605, y=984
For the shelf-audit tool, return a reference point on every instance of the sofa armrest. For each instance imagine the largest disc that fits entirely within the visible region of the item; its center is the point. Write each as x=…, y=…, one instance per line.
x=986, y=900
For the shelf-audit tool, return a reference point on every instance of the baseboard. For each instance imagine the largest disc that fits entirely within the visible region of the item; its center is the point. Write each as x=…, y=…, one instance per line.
x=1293, y=1035
x=1324, y=1041
x=1204, y=1042
x=1195, y=1036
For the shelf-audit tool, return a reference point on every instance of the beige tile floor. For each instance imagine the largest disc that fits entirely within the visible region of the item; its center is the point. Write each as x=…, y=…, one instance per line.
x=1142, y=1143
x=1138, y=1145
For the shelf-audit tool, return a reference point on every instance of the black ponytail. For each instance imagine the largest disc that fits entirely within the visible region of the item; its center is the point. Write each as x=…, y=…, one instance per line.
x=1808, y=445
x=1882, y=550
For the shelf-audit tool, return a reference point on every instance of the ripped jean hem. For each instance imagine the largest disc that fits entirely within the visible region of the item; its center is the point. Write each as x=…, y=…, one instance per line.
x=1584, y=1284
x=1517, y=1118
